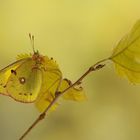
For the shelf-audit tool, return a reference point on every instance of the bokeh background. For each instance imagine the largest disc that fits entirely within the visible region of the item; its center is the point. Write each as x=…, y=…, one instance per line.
x=76, y=33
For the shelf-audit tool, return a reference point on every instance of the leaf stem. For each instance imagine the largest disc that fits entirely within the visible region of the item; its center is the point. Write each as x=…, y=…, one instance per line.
x=95, y=67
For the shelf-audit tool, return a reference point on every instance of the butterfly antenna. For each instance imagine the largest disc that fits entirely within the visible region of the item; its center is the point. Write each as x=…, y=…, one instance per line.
x=32, y=41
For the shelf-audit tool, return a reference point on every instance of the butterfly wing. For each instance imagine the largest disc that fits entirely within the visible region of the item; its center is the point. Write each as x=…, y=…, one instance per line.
x=25, y=82
x=50, y=83
x=6, y=72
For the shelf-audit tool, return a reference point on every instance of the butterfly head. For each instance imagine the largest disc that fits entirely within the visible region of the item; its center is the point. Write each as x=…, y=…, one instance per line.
x=39, y=59
x=36, y=55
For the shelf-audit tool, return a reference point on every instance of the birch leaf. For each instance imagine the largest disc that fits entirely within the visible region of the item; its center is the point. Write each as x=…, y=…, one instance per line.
x=126, y=55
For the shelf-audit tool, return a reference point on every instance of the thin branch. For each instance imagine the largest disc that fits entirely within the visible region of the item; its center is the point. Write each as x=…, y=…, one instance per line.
x=95, y=67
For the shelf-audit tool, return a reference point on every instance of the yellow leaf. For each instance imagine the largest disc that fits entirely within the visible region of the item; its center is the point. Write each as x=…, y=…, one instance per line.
x=51, y=78
x=23, y=56
x=126, y=55
x=76, y=93
x=44, y=101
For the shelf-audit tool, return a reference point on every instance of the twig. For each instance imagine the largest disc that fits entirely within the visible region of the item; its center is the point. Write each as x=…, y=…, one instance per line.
x=95, y=67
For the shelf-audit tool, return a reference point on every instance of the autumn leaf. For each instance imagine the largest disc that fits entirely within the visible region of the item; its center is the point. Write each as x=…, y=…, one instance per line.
x=126, y=55
x=75, y=93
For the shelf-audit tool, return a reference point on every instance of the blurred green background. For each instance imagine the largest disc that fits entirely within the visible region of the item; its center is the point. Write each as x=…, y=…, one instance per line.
x=77, y=33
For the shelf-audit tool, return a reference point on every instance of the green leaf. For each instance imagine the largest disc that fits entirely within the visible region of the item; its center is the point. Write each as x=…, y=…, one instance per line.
x=126, y=55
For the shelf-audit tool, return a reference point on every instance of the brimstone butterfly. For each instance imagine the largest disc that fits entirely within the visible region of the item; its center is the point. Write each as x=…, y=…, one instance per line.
x=36, y=78
x=29, y=77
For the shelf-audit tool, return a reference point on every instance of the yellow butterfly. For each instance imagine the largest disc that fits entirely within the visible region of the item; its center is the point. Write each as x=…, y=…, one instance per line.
x=35, y=78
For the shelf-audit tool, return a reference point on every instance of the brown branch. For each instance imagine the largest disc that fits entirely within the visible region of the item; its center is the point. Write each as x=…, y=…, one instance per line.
x=95, y=67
